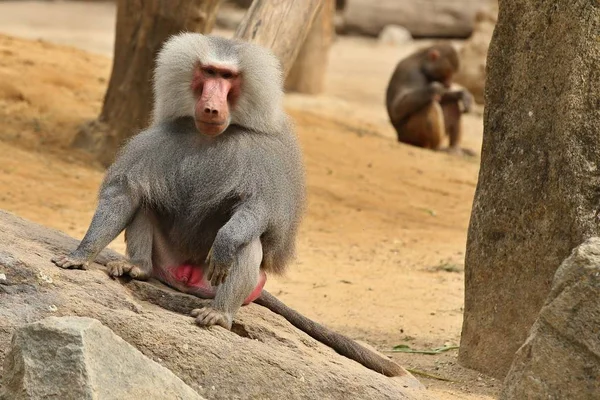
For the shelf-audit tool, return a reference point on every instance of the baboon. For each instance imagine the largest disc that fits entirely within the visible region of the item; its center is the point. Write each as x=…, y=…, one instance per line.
x=420, y=102
x=211, y=194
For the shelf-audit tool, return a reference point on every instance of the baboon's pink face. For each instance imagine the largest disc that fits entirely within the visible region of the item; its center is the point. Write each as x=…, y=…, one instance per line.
x=216, y=90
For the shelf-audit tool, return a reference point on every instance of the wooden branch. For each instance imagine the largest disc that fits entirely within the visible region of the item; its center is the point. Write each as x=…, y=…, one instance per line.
x=280, y=25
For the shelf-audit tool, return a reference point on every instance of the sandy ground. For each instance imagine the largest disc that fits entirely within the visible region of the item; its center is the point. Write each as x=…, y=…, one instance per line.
x=381, y=248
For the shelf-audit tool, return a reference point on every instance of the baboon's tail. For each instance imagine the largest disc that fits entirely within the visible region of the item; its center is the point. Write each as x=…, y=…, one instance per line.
x=340, y=343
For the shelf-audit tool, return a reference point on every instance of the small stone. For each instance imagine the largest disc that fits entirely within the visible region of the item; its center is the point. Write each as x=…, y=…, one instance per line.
x=394, y=35
x=8, y=260
x=43, y=277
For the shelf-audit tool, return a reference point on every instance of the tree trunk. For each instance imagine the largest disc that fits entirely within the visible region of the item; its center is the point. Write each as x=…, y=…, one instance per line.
x=538, y=191
x=280, y=25
x=142, y=27
x=308, y=71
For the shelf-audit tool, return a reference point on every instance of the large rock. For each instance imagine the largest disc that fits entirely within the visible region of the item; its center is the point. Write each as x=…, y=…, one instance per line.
x=561, y=357
x=79, y=358
x=473, y=54
x=262, y=357
x=537, y=194
x=432, y=18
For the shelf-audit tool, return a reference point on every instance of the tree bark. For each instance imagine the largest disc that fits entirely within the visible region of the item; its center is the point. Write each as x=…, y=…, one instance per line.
x=308, y=72
x=538, y=191
x=142, y=27
x=280, y=25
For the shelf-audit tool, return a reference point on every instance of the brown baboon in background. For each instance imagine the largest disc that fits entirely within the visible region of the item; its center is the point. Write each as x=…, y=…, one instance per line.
x=420, y=102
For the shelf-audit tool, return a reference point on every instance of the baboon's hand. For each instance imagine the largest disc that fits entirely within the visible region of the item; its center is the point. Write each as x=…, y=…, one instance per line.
x=218, y=266
x=122, y=267
x=209, y=316
x=71, y=262
x=467, y=100
x=437, y=88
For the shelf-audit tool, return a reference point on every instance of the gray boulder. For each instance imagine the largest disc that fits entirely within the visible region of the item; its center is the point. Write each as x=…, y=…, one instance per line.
x=262, y=357
x=79, y=358
x=561, y=357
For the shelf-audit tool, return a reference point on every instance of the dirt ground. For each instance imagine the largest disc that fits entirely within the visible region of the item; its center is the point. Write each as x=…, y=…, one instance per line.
x=381, y=249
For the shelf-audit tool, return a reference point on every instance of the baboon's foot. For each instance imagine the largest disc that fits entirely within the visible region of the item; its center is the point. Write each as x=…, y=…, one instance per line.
x=71, y=262
x=122, y=267
x=460, y=151
x=209, y=316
